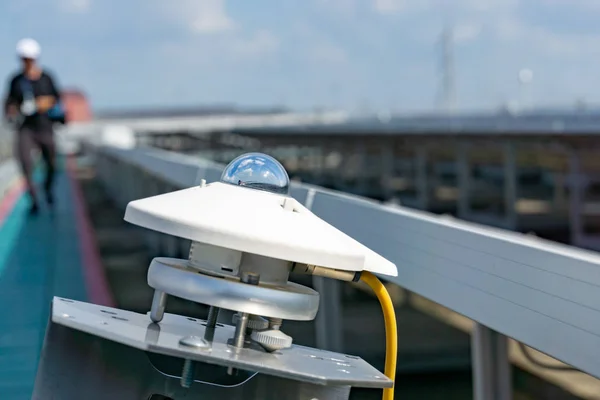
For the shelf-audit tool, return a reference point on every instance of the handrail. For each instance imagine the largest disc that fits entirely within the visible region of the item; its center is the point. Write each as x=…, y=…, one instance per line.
x=6, y=141
x=543, y=294
x=8, y=167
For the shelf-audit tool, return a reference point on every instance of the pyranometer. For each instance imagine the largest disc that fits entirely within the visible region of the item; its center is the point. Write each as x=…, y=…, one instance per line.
x=247, y=225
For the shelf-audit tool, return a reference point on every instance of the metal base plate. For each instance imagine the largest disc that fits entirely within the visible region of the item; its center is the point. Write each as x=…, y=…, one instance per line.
x=298, y=362
x=290, y=301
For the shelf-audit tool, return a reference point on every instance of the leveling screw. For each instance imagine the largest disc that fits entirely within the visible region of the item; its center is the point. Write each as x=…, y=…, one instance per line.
x=187, y=374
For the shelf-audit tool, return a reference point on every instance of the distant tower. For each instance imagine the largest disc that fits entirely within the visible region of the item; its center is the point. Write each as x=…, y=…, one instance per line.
x=447, y=91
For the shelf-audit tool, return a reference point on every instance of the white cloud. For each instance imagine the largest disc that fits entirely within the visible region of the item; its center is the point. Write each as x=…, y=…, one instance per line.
x=441, y=6
x=199, y=16
x=486, y=5
x=388, y=6
x=328, y=53
x=221, y=52
x=76, y=6
x=319, y=48
x=346, y=8
x=261, y=42
x=466, y=32
x=209, y=16
x=512, y=29
x=503, y=20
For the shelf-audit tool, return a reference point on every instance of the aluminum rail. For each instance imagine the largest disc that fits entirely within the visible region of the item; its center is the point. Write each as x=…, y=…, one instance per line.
x=6, y=143
x=543, y=294
x=343, y=123
x=205, y=124
x=8, y=167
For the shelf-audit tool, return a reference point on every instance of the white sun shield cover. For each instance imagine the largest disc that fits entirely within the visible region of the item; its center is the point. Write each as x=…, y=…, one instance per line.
x=257, y=222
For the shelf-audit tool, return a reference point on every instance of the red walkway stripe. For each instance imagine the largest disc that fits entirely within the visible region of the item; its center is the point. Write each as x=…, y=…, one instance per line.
x=93, y=270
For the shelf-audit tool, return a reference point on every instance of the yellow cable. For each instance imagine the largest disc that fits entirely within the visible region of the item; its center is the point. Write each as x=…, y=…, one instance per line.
x=391, y=334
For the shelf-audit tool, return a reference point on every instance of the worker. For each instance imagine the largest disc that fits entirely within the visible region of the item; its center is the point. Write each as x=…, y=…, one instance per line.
x=31, y=103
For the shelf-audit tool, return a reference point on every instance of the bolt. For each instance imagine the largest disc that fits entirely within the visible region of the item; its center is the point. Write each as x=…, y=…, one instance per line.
x=275, y=323
x=250, y=278
x=240, y=330
x=187, y=375
x=213, y=314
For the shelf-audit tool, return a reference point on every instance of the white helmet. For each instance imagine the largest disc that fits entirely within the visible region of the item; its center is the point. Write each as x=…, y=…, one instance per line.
x=28, y=48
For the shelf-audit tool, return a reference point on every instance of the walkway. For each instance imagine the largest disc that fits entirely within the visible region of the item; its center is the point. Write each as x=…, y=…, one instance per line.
x=40, y=257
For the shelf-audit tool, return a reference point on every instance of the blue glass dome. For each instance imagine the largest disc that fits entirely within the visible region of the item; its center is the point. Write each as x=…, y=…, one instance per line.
x=257, y=171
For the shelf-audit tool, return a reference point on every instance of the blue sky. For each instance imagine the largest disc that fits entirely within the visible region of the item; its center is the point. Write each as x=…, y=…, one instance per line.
x=379, y=54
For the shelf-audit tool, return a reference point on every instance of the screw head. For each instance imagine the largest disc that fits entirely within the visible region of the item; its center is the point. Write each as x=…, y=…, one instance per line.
x=195, y=342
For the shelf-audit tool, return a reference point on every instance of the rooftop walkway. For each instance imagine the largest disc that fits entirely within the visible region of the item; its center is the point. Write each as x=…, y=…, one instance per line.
x=50, y=254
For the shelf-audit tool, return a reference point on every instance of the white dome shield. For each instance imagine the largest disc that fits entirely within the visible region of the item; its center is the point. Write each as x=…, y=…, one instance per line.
x=255, y=221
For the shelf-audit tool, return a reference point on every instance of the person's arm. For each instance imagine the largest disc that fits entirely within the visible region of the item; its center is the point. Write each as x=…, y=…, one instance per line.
x=44, y=103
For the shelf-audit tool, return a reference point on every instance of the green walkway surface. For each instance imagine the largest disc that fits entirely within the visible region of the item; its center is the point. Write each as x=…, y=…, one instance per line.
x=39, y=257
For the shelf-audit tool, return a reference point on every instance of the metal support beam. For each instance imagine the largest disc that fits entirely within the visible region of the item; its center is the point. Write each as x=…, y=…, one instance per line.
x=464, y=178
x=491, y=367
x=422, y=178
x=319, y=172
x=559, y=198
x=576, y=198
x=510, y=185
x=361, y=167
x=328, y=323
x=387, y=167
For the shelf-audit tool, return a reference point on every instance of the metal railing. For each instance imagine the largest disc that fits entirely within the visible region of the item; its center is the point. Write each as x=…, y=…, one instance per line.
x=8, y=167
x=542, y=294
x=6, y=143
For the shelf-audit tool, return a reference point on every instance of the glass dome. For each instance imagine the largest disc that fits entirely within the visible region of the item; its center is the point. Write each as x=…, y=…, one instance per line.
x=257, y=171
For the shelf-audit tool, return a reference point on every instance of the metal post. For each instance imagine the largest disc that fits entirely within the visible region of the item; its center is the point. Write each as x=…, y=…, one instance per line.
x=575, y=198
x=159, y=303
x=361, y=172
x=422, y=177
x=491, y=367
x=328, y=323
x=463, y=167
x=387, y=167
x=319, y=173
x=341, y=172
x=510, y=186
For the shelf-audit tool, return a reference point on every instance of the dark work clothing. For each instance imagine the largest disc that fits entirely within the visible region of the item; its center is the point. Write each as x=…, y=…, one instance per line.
x=28, y=140
x=34, y=131
x=20, y=87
